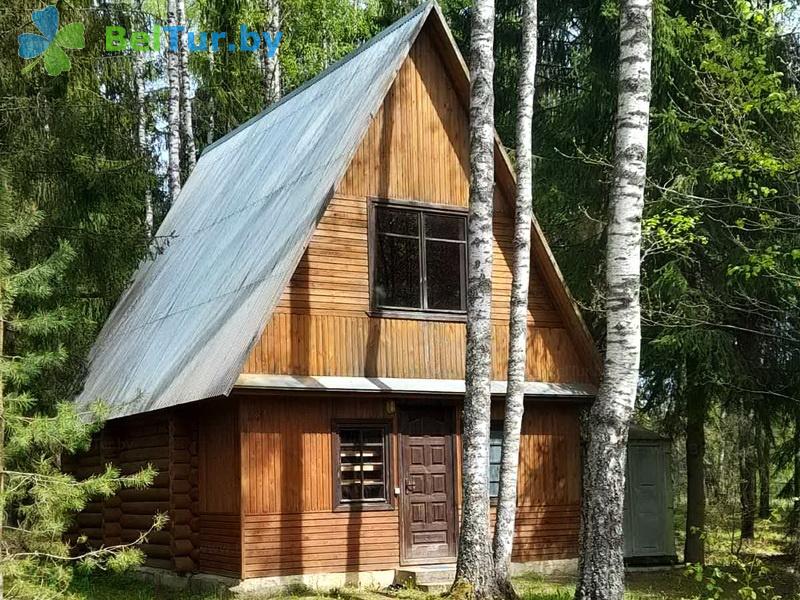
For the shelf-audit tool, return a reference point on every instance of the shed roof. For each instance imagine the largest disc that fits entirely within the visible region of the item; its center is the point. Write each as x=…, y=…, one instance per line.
x=185, y=326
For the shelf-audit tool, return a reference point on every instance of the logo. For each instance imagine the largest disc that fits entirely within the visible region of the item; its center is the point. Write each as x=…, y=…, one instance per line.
x=49, y=47
x=117, y=40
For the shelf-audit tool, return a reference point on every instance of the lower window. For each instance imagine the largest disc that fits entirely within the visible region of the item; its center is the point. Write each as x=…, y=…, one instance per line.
x=361, y=463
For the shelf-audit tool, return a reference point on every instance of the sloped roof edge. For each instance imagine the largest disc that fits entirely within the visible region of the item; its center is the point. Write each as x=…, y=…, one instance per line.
x=184, y=327
x=422, y=8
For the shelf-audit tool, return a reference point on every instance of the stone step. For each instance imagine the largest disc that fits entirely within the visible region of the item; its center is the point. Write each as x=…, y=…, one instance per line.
x=428, y=578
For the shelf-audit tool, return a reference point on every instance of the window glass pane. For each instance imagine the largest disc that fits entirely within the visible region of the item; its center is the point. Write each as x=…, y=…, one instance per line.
x=445, y=266
x=397, y=272
x=495, y=455
x=444, y=227
x=404, y=222
x=373, y=436
x=494, y=488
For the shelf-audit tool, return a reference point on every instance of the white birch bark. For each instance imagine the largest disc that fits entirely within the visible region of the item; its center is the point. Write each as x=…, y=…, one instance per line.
x=518, y=324
x=475, y=567
x=186, y=88
x=271, y=67
x=173, y=112
x=138, y=67
x=211, y=104
x=601, y=569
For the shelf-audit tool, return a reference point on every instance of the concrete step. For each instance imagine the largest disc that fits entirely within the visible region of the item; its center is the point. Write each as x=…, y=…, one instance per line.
x=428, y=578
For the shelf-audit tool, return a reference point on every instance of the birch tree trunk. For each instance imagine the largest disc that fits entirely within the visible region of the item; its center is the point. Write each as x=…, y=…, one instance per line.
x=139, y=81
x=211, y=104
x=138, y=67
x=186, y=89
x=173, y=112
x=271, y=67
x=475, y=566
x=601, y=569
x=518, y=324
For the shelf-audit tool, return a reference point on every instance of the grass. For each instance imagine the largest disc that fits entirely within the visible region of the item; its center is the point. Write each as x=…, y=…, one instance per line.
x=671, y=584
x=651, y=585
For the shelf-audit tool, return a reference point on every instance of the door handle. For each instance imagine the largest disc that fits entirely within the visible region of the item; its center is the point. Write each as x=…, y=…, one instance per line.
x=410, y=487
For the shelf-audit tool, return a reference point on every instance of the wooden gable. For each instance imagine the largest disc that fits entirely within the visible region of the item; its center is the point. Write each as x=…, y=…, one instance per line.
x=417, y=148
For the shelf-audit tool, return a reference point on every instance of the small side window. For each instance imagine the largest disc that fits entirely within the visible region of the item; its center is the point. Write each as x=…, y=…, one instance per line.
x=361, y=459
x=495, y=456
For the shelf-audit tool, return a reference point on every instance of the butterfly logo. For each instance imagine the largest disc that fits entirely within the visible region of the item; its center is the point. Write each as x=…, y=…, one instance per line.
x=49, y=47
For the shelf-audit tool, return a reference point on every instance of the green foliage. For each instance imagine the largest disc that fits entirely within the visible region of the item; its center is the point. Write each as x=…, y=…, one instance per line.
x=72, y=187
x=746, y=578
x=39, y=500
x=315, y=35
x=720, y=261
x=69, y=149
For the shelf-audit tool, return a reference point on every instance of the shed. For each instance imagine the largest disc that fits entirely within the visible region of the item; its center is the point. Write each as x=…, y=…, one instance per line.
x=648, y=520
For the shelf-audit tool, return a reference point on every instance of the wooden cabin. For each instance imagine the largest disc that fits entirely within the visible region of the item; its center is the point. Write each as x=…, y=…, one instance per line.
x=292, y=363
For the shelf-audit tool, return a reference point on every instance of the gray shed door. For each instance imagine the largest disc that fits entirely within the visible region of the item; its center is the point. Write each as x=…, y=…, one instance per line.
x=646, y=509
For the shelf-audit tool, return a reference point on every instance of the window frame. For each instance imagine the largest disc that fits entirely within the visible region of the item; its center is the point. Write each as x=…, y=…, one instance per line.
x=421, y=208
x=340, y=505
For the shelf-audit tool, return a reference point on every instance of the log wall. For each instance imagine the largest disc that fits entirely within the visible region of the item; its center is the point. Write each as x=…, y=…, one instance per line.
x=167, y=440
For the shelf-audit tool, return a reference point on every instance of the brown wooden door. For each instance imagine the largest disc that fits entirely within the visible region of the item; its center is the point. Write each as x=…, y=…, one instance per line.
x=427, y=480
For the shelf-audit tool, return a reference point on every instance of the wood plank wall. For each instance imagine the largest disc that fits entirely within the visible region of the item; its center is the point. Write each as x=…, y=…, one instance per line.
x=220, y=488
x=287, y=483
x=289, y=521
x=415, y=149
x=549, y=486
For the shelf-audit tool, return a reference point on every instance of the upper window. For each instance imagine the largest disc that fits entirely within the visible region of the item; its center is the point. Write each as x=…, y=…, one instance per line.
x=419, y=259
x=361, y=459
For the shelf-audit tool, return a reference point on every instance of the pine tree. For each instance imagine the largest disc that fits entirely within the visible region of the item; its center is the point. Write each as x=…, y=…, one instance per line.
x=73, y=182
x=38, y=500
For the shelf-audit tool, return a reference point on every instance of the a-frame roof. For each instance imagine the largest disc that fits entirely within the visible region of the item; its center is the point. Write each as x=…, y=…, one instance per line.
x=183, y=329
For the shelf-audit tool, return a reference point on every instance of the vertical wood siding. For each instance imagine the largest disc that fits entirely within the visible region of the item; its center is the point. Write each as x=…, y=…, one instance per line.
x=416, y=149
x=220, y=489
x=549, y=485
x=287, y=478
x=289, y=522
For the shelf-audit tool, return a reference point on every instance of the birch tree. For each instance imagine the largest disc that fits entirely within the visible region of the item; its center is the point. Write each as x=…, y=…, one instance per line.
x=173, y=111
x=139, y=76
x=475, y=566
x=271, y=67
x=518, y=324
x=601, y=569
x=142, y=130
x=185, y=88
